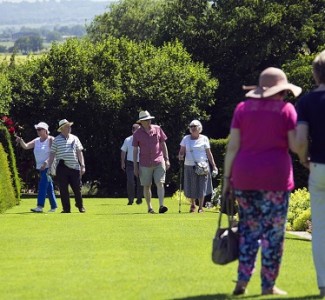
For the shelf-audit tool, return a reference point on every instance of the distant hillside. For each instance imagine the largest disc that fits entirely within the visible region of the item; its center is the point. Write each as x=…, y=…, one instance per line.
x=50, y=12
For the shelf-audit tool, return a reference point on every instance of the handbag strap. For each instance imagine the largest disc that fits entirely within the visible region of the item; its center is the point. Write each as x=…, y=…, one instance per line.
x=229, y=209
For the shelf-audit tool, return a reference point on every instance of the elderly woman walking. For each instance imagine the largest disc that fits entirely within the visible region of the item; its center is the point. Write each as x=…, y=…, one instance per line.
x=259, y=169
x=42, y=145
x=196, y=148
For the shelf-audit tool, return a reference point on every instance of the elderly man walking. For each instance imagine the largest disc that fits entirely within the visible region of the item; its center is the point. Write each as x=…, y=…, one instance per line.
x=153, y=159
x=67, y=150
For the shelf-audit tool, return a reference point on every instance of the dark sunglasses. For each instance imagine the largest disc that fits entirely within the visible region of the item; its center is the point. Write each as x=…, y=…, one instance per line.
x=193, y=126
x=39, y=129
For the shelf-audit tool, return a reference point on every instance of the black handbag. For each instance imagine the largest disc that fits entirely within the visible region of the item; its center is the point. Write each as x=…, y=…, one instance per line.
x=230, y=205
x=225, y=245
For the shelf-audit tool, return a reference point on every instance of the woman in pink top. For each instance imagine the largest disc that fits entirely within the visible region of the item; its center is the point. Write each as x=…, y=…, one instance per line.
x=259, y=169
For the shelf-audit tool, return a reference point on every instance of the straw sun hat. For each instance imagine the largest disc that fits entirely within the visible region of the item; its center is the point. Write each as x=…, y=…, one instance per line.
x=272, y=81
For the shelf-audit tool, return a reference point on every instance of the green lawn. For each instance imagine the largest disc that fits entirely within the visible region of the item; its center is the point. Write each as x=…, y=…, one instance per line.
x=115, y=251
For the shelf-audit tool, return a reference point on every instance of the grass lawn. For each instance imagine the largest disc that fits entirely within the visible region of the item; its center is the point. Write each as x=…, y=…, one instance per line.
x=115, y=251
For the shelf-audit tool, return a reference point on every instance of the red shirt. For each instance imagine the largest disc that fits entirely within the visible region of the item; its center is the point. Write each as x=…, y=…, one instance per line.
x=151, y=153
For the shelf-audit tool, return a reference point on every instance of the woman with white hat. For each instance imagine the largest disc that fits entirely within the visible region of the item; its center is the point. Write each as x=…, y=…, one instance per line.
x=258, y=168
x=42, y=145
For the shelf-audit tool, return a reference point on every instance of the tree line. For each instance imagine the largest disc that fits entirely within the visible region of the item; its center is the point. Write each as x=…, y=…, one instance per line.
x=178, y=59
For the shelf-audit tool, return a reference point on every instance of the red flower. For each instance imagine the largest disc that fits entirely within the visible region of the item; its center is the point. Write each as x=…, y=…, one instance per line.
x=9, y=123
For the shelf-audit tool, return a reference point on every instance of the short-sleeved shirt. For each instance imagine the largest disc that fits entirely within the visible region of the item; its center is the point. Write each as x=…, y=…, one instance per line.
x=311, y=111
x=66, y=149
x=195, y=149
x=151, y=153
x=263, y=161
x=41, y=151
x=128, y=148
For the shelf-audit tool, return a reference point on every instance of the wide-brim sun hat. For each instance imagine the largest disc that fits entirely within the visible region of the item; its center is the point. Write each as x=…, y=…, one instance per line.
x=42, y=125
x=63, y=123
x=272, y=81
x=144, y=115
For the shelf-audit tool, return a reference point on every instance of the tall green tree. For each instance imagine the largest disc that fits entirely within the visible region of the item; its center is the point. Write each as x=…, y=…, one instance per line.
x=237, y=40
x=136, y=19
x=102, y=87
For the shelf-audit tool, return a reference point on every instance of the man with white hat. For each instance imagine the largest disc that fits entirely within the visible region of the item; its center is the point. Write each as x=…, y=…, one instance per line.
x=153, y=160
x=67, y=149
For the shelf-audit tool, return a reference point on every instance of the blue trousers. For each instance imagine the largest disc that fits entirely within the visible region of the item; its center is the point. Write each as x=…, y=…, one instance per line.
x=45, y=188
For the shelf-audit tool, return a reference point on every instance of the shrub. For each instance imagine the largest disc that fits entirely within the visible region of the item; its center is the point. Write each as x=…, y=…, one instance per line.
x=299, y=210
x=7, y=193
x=5, y=140
x=302, y=223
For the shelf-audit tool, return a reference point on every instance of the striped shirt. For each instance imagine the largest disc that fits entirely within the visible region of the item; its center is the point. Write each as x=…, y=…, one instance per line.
x=66, y=149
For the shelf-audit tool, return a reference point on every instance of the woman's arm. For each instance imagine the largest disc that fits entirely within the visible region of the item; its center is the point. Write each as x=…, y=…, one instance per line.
x=26, y=146
x=211, y=159
x=232, y=149
x=181, y=153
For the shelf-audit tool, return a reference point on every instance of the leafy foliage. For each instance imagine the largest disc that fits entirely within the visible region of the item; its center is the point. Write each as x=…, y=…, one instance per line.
x=102, y=87
x=7, y=194
x=299, y=210
x=5, y=141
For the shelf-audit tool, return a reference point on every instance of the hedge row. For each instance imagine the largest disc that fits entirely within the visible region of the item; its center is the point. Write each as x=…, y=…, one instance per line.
x=5, y=140
x=7, y=193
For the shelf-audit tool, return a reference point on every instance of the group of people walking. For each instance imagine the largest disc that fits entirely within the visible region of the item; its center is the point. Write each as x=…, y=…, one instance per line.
x=65, y=151
x=257, y=168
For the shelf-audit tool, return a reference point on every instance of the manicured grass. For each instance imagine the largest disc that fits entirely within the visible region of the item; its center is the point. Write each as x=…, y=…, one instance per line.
x=115, y=251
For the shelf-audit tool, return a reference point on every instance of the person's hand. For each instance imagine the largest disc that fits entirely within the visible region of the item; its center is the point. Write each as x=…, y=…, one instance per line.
x=43, y=166
x=123, y=166
x=136, y=171
x=226, y=188
x=215, y=172
x=82, y=170
x=167, y=164
x=181, y=156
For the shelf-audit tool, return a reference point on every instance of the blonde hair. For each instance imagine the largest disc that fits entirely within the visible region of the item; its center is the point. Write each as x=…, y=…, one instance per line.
x=319, y=68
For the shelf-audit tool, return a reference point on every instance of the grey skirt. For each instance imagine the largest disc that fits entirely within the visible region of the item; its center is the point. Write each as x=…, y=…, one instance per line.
x=195, y=186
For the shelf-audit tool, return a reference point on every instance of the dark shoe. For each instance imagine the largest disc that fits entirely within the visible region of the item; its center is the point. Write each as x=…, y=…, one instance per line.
x=240, y=288
x=162, y=209
x=82, y=210
x=192, y=209
x=130, y=203
x=151, y=211
x=139, y=201
x=65, y=212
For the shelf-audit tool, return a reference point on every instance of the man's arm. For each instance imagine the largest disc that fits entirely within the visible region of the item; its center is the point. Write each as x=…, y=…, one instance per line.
x=302, y=143
x=81, y=162
x=165, y=154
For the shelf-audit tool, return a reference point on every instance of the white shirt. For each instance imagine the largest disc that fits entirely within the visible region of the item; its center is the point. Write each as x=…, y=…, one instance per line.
x=41, y=151
x=198, y=148
x=128, y=148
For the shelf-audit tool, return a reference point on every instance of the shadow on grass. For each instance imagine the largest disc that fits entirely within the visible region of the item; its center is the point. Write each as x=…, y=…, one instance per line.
x=297, y=238
x=227, y=296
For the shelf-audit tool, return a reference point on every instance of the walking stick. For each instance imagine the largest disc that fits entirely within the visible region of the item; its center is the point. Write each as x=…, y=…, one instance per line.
x=181, y=162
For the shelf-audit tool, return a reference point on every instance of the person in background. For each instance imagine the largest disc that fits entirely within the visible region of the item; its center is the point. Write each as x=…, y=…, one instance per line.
x=67, y=150
x=41, y=145
x=127, y=166
x=259, y=169
x=311, y=152
x=150, y=140
x=196, y=148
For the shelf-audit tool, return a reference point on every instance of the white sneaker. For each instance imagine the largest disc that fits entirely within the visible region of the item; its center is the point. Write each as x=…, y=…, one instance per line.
x=52, y=210
x=37, y=209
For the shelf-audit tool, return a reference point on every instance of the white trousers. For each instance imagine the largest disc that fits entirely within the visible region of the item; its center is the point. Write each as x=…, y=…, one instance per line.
x=317, y=197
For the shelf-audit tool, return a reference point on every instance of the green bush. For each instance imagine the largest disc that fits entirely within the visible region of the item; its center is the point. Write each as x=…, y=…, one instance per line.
x=5, y=140
x=299, y=214
x=302, y=223
x=7, y=193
